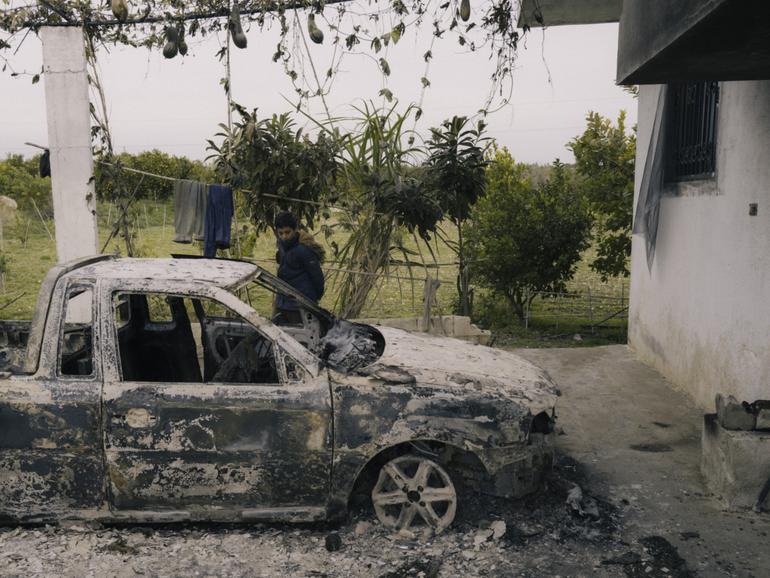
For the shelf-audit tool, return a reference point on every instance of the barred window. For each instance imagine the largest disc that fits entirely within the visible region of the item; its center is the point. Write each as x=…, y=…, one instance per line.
x=691, y=131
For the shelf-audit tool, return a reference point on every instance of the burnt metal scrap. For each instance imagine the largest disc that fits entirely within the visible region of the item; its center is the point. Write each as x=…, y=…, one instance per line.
x=119, y=412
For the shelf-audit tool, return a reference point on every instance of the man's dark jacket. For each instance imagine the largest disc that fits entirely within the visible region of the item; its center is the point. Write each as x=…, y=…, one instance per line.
x=300, y=267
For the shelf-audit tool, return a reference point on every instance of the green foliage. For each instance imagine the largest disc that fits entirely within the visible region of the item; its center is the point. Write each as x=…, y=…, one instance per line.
x=270, y=158
x=523, y=238
x=456, y=171
x=386, y=194
x=155, y=162
x=456, y=165
x=379, y=170
x=20, y=180
x=605, y=156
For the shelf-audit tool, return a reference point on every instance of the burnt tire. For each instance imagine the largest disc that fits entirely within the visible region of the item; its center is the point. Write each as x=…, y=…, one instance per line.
x=414, y=493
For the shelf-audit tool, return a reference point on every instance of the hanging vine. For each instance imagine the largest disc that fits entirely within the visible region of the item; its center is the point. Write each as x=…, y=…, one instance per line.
x=354, y=28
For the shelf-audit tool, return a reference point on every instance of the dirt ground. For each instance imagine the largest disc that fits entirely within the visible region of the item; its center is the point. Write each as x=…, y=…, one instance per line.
x=626, y=499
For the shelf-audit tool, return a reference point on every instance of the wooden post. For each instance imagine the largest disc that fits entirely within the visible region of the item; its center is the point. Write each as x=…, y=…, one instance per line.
x=428, y=297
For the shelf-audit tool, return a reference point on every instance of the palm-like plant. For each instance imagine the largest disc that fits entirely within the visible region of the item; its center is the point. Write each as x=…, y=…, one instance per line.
x=384, y=193
x=456, y=172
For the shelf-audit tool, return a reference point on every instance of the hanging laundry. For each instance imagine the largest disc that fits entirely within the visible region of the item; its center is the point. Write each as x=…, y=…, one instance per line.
x=219, y=216
x=189, y=211
x=45, y=164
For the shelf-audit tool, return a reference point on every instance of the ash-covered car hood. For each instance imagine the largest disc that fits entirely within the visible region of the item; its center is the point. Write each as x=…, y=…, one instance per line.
x=448, y=362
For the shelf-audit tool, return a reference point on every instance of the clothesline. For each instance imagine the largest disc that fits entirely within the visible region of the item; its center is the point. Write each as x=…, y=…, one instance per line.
x=268, y=195
x=293, y=199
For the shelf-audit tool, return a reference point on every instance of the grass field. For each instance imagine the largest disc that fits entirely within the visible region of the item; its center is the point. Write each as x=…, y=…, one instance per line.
x=30, y=252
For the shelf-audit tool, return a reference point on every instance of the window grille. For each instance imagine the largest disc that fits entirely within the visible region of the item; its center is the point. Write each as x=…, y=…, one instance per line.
x=691, y=131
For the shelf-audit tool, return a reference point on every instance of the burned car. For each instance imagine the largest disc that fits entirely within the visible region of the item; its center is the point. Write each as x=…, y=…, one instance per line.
x=154, y=390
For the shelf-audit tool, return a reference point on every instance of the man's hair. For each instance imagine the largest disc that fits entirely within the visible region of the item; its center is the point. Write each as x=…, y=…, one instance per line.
x=285, y=219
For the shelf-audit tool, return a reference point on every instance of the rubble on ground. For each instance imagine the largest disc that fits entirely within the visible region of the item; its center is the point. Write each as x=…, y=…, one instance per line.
x=542, y=535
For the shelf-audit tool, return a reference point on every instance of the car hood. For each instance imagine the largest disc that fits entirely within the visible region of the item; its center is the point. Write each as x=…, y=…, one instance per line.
x=447, y=362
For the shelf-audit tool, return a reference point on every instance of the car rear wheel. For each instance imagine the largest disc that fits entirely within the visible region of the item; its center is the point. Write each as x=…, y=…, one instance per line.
x=413, y=491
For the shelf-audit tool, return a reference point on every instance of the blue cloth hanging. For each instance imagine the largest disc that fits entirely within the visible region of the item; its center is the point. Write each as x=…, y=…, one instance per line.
x=219, y=216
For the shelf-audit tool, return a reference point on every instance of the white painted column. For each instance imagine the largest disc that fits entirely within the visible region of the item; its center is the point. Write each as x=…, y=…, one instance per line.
x=69, y=140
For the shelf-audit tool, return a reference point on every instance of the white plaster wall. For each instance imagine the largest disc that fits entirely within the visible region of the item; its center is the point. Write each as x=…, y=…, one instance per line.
x=702, y=315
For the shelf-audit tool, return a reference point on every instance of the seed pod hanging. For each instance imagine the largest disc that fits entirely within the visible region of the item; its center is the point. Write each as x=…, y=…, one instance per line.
x=171, y=48
x=120, y=9
x=236, y=30
x=465, y=10
x=315, y=33
x=182, y=44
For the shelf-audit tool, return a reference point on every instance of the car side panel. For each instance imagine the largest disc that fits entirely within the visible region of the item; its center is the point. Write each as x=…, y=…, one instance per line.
x=202, y=447
x=50, y=449
x=371, y=415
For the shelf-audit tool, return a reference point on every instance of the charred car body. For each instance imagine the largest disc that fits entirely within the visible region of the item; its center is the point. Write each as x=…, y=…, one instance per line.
x=153, y=390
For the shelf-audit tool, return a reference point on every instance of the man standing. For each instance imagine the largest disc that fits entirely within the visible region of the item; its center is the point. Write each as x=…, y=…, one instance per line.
x=299, y=264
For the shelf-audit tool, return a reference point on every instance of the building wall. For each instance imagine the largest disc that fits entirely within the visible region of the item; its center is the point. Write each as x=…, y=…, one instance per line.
x=701, y=316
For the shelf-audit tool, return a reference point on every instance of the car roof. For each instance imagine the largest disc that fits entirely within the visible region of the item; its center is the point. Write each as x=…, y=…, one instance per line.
x=223, y=273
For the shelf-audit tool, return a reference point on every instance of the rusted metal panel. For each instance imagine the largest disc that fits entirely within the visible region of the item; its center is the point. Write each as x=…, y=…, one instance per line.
x=50, y=450
x=222, y=273
x=217, y=446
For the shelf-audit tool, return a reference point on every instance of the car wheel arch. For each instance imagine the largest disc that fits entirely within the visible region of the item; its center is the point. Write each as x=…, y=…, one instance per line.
x=460, y=461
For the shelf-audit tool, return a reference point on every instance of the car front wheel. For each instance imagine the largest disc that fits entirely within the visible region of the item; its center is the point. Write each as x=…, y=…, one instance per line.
x=413, y=491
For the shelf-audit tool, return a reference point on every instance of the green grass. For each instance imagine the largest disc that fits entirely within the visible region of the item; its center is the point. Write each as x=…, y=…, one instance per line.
x=30, y=253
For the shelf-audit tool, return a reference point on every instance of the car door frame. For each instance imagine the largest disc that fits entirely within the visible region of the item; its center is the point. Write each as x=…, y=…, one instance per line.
x=50, y=437
x=139, y=454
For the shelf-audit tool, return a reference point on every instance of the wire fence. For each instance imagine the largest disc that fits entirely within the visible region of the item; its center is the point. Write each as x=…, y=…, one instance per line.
x=586, y=308
x=583, y=310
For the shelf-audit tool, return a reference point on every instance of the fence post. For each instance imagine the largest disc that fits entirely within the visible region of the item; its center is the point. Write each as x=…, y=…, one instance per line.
x=429, y=295
x=591, y=311
x=526, y=311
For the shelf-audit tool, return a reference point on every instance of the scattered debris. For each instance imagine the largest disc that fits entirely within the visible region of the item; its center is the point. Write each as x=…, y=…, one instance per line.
x=121, y=546
x=661, y=424
x=416, y=569
x=362, y=528
x=498, y=528
x=333, y=542
x=689, y=536
x=584, y=506
x=733, y=415
x=662, y=559
x=481, y=537
x=625, y=559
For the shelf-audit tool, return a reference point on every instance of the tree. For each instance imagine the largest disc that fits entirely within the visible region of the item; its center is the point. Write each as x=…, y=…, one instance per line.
x=20, y=180
x=456, y=170
x=279, y=167
x=604, y=156
x=155, y=162
x=523, y=238
x=385, y=195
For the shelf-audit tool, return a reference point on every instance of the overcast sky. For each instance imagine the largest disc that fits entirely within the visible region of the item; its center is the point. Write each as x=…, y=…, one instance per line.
x=175, y=105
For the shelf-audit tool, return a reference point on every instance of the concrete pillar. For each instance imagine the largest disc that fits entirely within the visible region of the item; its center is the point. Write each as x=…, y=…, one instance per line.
x=69, y=140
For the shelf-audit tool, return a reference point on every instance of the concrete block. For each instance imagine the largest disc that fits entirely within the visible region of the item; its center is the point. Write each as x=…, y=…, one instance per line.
x=733, y=415
x=463, y=326
x=735, y=464
x=763, y=419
